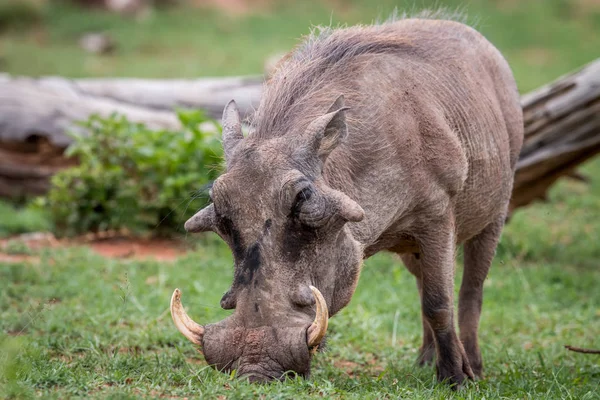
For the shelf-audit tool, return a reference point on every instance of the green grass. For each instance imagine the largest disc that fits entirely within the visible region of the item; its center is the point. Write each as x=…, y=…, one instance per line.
x=76, y=325
x=15, y=220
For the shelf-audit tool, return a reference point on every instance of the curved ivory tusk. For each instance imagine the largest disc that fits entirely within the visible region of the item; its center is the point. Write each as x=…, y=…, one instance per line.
x=317, y=330
x=183, y=322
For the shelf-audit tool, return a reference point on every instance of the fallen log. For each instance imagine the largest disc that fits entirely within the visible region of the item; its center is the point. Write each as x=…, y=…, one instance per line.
x=50, y=107
x=562, y=130
x=36, y=114
x=562, y=122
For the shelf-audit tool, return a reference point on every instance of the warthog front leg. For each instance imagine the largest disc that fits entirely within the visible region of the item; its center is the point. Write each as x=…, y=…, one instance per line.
x=427, y=350
x=437, y=247
x=479, y=252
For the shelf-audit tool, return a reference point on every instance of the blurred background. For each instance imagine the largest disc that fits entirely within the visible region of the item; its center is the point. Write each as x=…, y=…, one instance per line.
x=92, y=206
x=175, y=47
x=195, y=38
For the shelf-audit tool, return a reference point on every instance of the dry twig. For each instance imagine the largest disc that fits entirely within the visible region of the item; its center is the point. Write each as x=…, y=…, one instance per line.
x=580, y=350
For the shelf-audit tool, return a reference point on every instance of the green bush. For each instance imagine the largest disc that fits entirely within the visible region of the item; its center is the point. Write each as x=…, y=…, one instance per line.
x=21, y=13
x=134, y=178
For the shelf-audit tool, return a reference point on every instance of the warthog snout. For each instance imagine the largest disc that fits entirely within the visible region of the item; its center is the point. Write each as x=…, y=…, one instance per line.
x=261, y=353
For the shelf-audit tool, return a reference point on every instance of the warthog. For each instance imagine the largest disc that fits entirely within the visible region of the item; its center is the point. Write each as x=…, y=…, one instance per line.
x=401, y=136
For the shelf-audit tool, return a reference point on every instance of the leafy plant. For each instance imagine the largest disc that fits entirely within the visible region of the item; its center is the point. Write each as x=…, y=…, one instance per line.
x=21, y=13
x=135, y=178
x=16, y=247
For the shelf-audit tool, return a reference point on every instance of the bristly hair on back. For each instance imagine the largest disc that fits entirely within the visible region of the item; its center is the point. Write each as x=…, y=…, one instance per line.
x=312, y=74
x=458, y=14
x=296, y=92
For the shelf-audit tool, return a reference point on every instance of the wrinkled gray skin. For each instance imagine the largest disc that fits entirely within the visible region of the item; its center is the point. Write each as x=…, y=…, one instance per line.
x=420, y=161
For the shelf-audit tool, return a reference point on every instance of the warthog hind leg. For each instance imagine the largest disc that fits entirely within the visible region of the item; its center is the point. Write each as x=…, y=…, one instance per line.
x=479, y=252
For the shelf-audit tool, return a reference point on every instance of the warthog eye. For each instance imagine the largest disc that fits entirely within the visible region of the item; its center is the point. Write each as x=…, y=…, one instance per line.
x=302, y=196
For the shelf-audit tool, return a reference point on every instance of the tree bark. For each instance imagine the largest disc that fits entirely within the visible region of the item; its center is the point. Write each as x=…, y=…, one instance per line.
x=562, y=130
x=562, y=122
x=37, y=114
x=51, y=107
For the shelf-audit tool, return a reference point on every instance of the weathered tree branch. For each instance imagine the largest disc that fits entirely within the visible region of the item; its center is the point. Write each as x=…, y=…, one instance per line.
x=50, y=107
x=562, y=130
x=36, y=114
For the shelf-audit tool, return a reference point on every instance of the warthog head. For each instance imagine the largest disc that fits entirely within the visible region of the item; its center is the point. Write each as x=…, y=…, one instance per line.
x=296, y=262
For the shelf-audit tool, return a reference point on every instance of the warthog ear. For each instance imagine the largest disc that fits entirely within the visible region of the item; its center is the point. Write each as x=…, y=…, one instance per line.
x=202, y=221
x=232, y=129
x=327, y=131
x=317, y=206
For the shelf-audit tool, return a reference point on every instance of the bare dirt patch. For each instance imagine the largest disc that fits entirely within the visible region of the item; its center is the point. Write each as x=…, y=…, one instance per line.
x=156, y=249
x=17, y=258
x=371, y=367
x=110, y=247
x=349, y=367
x=235, y=7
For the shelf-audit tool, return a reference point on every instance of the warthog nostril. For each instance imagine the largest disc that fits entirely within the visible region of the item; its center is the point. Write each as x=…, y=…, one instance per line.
x=303, y=296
